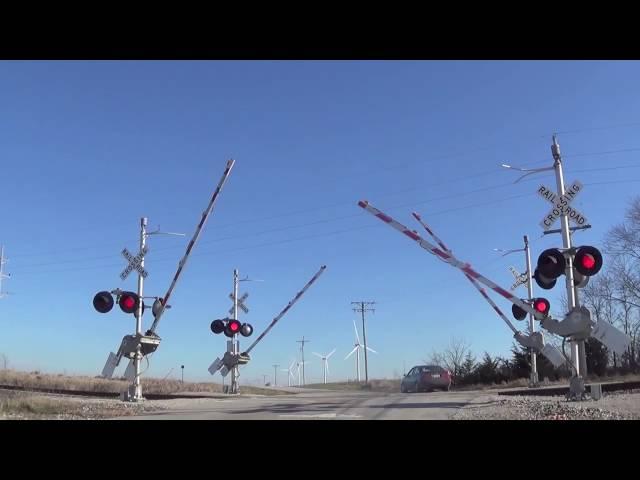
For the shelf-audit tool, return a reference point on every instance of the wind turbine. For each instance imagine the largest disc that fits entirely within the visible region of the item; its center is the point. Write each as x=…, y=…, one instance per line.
x=299, y=371
x=356, y=350
x=325, y=363
x=290, y=373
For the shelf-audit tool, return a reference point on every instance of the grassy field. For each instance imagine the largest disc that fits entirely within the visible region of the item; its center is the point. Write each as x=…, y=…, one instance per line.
x=94, y=384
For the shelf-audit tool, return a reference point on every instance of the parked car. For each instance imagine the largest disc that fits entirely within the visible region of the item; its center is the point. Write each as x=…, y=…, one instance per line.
x=426, y=378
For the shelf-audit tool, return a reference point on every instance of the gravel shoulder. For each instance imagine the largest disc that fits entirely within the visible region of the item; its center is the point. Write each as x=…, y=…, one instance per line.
x=613, y=406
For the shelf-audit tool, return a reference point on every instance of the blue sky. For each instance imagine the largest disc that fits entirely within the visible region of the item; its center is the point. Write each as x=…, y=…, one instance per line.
x=87, y=148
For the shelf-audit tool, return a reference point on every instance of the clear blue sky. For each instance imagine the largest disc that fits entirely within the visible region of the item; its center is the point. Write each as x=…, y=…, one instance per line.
x=87, y=148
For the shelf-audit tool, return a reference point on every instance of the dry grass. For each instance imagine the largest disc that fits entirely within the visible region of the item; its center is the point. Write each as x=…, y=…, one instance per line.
x=95, y=384
x=25, y=406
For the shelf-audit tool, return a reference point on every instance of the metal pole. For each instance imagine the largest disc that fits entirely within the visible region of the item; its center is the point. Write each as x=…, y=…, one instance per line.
x=275, y=375
x=566, y=243
x=534, y=367
x=303, y=379
x=234, y=346
x=137, y=396
x=364, y=338
x=3, y=261
x=182, y=367
x=1, y=269
x=358, y=362
x=324, y=370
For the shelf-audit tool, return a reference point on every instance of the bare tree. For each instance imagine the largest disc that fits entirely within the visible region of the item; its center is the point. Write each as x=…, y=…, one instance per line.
x=434, y=358
x=454, y=355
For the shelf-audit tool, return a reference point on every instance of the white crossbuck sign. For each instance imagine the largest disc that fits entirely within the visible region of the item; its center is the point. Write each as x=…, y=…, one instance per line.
x=521, y=278
x=561, y=205
x=241, y=305
x=134, y=263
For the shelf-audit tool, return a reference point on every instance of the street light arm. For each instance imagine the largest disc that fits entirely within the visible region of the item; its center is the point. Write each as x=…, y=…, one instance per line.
x=530, y=171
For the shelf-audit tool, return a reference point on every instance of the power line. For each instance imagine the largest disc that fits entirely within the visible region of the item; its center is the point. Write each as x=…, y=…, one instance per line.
x=340, y=204
x=350, y=229
x=593, y=129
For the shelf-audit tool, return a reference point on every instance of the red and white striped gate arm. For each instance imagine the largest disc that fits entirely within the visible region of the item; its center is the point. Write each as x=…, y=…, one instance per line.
x=286, y=309
x=473, y=282
x=449, y=258
x=193, y=241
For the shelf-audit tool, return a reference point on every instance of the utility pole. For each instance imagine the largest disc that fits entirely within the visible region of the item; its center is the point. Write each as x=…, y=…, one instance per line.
x=363, y=308
x=302, y=342
x=2, y=274
x=182, y=367
x=275, y=374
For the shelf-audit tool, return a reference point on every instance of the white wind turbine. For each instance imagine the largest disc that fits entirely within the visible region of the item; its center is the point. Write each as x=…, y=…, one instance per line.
x=325, y=363
x=356, y=349
x=299, y=370
x=290, y=373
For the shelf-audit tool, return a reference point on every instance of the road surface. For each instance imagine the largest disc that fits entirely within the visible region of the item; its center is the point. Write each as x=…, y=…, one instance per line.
x=322, y=404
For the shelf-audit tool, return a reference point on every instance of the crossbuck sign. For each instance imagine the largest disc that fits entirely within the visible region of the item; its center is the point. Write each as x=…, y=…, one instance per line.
x=134, y=263
x=521, y=278
x=241, y=304
x=561, y=205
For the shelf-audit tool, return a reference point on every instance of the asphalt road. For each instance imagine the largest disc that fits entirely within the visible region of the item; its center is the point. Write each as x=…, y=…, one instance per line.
x=318, y=405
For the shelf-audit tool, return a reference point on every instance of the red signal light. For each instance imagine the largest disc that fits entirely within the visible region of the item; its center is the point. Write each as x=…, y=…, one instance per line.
x=233, y=327
x=588, y=261
x=129, y=302
x=541, y=305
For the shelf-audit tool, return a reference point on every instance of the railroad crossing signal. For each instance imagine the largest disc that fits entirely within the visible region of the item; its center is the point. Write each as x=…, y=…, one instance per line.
x=561, y=205
x=103, y=302
x=541, y=305
x=128, y=301
x=134, y=263
x=587, y=261
x=241, y=304
x=231, y=327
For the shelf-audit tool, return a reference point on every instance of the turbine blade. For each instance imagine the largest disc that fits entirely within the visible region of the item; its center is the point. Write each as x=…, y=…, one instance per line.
x=371, y=350
x=332, y=352
x=317, y=354
x=356, y=329
x=352, y=351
